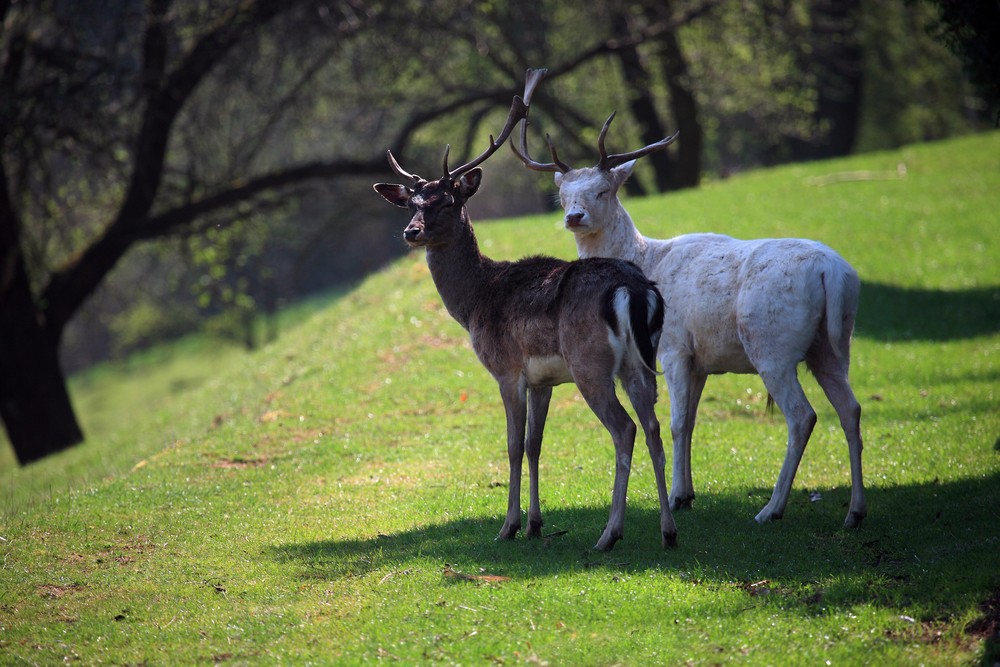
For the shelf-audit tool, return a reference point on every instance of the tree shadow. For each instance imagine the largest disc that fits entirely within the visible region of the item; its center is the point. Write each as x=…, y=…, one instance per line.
x=892, y=313
x=933, y=545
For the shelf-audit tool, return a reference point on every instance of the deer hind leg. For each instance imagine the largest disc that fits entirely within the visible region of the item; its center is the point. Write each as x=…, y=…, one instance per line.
x=831, y=374
x=684, y=387
x=641, y=388
x=600, y=396
x=514, y=402
x=538, y=409
x=784, y=387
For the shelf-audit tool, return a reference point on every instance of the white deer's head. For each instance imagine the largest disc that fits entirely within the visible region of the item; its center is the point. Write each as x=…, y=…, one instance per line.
x=589, y=196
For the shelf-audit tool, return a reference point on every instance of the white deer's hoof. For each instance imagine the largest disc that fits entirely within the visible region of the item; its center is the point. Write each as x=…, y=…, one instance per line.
x=767, y=515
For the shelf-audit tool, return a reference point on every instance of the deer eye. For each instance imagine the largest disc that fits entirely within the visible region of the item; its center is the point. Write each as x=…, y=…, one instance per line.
x=602, y=194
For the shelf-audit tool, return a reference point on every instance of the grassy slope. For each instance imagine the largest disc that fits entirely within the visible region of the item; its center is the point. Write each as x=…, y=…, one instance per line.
x=334, y=497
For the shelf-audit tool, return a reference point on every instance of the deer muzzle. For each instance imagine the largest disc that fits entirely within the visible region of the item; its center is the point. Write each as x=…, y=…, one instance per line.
x=414, y=234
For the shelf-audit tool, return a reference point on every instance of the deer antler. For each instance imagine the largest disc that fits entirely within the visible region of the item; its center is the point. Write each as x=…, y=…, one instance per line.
x=399, y=170
x=518, y=111
x=609, y=162
x=555, y=165
x=522, y=154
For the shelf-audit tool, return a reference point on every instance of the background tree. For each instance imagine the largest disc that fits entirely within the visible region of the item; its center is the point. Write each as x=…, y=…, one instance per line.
x=971, y=30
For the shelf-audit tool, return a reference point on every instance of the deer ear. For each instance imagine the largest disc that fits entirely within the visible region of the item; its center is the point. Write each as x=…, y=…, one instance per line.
x=558, y=178
x=394, y=194
x=621, y=173
x=469, y=182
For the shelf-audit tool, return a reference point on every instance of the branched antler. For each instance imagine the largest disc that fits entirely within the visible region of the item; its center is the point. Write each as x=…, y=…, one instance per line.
x=518, y=112
x=607, y=163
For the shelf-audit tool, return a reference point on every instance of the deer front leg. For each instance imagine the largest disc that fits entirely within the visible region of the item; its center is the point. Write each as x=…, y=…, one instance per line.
x=538, y=409
x=514, y=402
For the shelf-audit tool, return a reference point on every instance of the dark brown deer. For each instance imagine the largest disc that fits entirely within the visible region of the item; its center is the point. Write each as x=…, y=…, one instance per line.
x=759, y=306
x=540, y=322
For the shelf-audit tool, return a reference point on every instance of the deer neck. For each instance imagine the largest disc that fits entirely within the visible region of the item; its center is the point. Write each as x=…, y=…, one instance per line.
x=460, y=272
x=617, y=237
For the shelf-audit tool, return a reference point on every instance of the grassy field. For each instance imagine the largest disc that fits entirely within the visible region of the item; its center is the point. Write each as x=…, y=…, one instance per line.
x=334, y=497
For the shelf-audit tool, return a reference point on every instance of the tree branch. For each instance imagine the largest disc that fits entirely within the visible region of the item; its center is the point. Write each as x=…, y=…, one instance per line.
x=170, y=221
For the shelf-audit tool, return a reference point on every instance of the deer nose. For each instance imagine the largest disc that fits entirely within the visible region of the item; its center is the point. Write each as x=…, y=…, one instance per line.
x=573, y=219
x=411, y=233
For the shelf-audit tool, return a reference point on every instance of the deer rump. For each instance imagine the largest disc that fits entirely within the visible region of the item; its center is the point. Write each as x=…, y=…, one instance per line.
x=542, y=314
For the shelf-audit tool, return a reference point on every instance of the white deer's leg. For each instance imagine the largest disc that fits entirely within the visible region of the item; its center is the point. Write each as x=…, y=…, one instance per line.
x=684, y=388
x=784, y=387
x=832, y=377
x=513, y=394
x=538, y=408
x=600, y=396
x=641, y=388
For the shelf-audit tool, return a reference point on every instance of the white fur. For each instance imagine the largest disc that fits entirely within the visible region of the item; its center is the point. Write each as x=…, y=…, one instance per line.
x=551, y=370
x=734, y=306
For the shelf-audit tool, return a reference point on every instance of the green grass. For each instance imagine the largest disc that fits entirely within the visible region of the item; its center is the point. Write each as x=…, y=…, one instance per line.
x=334, y=497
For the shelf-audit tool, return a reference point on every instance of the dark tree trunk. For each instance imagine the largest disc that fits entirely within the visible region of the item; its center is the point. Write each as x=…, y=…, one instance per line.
x=687, y=173
x=34, y=401
x=836, y=63
x=642, y=107
x=34, y=404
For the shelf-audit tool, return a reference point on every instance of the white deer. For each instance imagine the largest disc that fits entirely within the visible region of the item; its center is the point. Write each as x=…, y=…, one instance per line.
x=759, y=306
x=540, y=322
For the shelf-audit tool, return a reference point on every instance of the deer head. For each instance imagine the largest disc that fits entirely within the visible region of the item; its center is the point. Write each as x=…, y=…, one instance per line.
x=437, y=205
x=589, y=195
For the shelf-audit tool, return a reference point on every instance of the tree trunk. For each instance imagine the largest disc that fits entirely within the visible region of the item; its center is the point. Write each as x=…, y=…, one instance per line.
x=687, y=172
x=643, y=108
x=836, y=62
x=34, y=404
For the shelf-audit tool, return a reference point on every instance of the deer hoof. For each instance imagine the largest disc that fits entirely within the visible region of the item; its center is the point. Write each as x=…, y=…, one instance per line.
x=534, y=530
x=669, y=540
x=607, y=542
x=766, y=515
x=853, y=520
x=509, y=532
x=682, y=503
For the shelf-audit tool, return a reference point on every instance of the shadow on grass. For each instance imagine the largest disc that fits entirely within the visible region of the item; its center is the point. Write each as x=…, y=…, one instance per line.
x=891, y=313
x=935, y=546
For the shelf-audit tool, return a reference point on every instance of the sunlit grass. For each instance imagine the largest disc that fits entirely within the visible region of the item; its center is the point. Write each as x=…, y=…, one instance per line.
x=334, y=497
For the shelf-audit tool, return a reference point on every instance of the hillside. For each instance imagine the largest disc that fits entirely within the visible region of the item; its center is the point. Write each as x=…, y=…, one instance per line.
x=333, y=498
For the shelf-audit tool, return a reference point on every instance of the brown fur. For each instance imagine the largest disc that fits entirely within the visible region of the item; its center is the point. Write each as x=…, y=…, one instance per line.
x=539, y=322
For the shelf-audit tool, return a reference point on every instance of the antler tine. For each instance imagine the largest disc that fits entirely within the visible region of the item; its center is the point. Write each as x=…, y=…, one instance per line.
x=609, y=162
x=563, y=167
x=602, y=135
x=447, y=149
x=533, y=78
x=399, y=170
x=518, y=111
x=522, y=154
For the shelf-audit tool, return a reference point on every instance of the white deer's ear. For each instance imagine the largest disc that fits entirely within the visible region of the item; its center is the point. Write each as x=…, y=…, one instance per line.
x=394, y=194
x=469, y=182
x=558, y=177
x=621, y=173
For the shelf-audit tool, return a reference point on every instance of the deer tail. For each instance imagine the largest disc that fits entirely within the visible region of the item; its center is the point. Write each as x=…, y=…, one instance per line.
x=841, y=288
x=639, y=310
